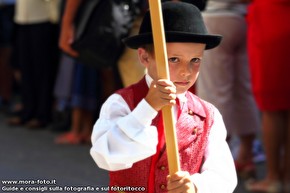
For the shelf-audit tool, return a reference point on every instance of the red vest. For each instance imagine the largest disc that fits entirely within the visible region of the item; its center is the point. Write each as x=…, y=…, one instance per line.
x=192, y=129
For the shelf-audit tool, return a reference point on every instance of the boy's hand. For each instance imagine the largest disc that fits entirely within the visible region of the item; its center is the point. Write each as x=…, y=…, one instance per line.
x=161, y=93
x=180, y=182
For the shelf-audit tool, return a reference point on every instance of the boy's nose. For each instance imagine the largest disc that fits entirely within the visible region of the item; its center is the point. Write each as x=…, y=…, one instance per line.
x=184, y=70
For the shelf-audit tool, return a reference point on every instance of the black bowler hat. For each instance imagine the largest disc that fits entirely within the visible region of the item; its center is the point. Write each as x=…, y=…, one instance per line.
x=182, y=23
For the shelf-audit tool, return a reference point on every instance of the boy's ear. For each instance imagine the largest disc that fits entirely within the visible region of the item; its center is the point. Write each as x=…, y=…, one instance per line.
x=143, y=56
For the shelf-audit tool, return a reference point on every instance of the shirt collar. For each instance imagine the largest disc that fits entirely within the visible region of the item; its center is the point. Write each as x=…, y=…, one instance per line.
x=148, y=80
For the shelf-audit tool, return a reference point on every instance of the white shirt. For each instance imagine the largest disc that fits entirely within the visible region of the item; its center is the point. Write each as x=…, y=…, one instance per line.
x=37, y=11
x=225, y=6
x=122, y=137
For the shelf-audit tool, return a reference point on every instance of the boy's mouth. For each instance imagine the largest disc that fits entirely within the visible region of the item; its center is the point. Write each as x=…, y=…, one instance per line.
x=182, y=83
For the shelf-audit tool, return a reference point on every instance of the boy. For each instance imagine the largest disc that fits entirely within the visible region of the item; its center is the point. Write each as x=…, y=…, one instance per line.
x=128, y=138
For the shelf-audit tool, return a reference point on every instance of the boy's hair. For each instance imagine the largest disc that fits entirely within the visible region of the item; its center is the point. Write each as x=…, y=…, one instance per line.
x=148, y=48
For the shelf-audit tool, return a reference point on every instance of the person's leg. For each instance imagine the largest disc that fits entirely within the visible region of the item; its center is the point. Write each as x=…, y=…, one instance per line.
x=6, y=38
x=287, y=156
x=247, y=119
x=225, y=75
x=84, y=102
x=87, y=126
x=244, y=161
x=44, y=71
x=73, y=136
x=273, y=127
x=76, y=120
x=24, y=60
x=62, y=94
x=216, y=79
x=5, y=74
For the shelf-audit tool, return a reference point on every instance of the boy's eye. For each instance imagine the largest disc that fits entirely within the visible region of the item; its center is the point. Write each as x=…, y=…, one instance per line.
x=173, y=60
x=195, y=60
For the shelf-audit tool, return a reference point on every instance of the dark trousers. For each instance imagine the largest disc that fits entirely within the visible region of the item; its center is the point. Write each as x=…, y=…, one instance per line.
x=38, y=59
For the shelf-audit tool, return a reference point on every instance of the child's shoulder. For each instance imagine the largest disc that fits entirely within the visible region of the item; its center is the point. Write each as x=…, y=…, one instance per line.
x=134, y=93
x=197, y=98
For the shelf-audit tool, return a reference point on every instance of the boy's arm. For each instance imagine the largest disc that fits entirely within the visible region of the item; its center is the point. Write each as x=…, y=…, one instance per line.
x=218, y=172
x=121, y=137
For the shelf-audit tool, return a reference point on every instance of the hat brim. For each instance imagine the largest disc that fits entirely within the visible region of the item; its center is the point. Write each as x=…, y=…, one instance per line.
x=137, y=41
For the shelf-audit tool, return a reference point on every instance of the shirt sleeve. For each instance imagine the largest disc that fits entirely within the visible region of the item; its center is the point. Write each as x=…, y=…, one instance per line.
x=218, y=172
x=122, y=137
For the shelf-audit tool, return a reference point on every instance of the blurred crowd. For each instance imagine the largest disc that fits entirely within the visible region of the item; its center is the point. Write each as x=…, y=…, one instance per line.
x=43, y=85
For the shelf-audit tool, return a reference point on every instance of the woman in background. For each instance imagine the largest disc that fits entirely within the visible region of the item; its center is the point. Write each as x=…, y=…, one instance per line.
x=269, y=40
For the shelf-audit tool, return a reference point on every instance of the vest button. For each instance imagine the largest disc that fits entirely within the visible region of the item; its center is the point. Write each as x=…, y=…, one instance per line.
x=194, y=131
x=163, y=168
x=162, y=187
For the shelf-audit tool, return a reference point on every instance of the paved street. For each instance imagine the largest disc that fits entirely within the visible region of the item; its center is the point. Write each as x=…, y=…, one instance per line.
x=30, y=160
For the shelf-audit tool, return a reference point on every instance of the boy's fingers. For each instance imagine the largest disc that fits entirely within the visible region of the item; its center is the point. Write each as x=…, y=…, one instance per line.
x=170, y=89
x=166, y=89
x=180, y=176
x=166, y=86
x=177, y=176
x=171, y=98
x=165, y=82
x=180, y=184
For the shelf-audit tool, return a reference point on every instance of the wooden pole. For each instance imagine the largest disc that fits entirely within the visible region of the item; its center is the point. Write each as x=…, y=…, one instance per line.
x=163, y=73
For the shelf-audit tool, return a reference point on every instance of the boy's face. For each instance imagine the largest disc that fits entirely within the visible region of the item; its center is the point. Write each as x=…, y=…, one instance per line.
x=184, y=61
